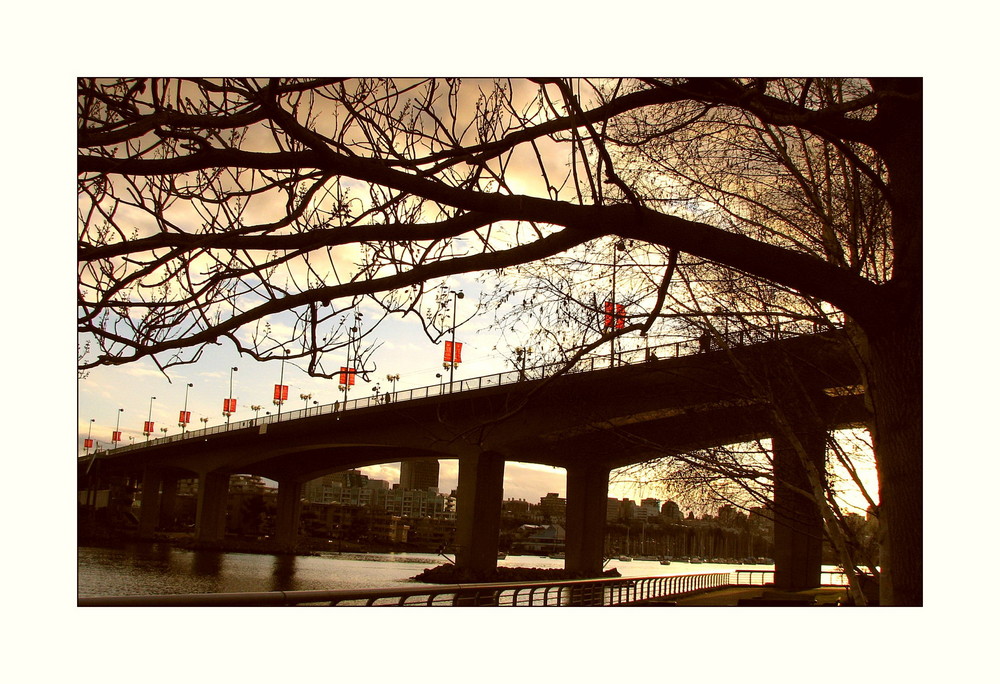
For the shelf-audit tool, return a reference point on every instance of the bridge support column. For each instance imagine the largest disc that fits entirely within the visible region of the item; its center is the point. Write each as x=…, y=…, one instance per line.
x=586, y=514
x=480, y=496
x=213, y=493
x=149, y=513
x=168, y=503
x=289, y=511
x=798, y=523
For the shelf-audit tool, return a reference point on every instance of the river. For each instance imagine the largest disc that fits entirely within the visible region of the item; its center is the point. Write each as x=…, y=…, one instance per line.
x=151, y=568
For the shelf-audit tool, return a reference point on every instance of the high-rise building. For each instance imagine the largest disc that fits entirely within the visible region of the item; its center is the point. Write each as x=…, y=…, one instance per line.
x=671, y=511
x=553, y=506
x=419, y=474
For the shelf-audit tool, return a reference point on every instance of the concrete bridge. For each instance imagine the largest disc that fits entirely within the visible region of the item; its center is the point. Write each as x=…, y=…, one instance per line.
x=791, y=391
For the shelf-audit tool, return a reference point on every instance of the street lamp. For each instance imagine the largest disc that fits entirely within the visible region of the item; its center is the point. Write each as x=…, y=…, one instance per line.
x=619, y=247
x=185, y=416
x=347, y=377
x=87, y=443
x=164, y=431
x=522, y=360
x=204, y=422
x=149, y=419
x=280, y=392
x=454, y=350
x=116, y=436
x=305, y=398
x=256, y=411
x=393, y=378
x=230, y=403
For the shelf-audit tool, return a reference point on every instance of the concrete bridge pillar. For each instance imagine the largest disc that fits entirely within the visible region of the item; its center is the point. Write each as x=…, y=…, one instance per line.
x=149, y=512
x=213, y=493
x=586, y=514
x=168, y=502
x=289, y=511
x=480, y=496
x=798, y=523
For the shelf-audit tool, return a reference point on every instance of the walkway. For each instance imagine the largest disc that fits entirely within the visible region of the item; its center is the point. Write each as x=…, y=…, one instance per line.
x=760, y=597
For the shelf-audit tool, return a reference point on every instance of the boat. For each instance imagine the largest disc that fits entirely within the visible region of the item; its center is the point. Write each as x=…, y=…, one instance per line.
x=664, y=561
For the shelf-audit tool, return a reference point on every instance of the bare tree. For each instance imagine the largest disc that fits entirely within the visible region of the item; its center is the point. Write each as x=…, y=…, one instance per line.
x=211, y=208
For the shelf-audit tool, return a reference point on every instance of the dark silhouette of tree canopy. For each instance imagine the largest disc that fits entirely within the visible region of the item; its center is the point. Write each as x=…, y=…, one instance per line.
x=219, y=209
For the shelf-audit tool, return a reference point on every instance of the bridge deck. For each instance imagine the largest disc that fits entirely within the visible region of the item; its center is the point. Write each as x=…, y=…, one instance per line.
x=608, y=415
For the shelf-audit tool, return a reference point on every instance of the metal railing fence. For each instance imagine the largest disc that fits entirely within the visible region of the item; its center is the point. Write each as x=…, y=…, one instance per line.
x=828, y=578
x=596, y=592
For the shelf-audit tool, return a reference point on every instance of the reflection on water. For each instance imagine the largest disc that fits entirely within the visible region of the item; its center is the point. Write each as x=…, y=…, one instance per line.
x=136, y=569
x=160, y=569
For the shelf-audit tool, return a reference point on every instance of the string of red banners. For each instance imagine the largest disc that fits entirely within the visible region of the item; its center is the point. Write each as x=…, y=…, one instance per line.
x=614, y=319
x=347, y=376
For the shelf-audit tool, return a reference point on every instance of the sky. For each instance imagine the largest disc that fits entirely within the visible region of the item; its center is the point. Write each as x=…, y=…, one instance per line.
x=404, y=350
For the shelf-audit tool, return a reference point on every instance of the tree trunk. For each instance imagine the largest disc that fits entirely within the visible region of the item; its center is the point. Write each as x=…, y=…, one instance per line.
x=895, y=386
x=895, y=350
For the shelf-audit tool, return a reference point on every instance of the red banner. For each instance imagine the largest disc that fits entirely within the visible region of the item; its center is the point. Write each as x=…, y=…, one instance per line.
x=116, y=436
x=147, y=426
x=229, y=405
x=614, y=316
x=185, y=417
x=452, y=356
x=347, y=375
x=87, y=443
x=280, y=392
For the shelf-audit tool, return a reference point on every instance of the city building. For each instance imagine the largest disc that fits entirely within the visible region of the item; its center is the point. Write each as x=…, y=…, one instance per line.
x=553, y=506
x=671, y=512
x=419, y=474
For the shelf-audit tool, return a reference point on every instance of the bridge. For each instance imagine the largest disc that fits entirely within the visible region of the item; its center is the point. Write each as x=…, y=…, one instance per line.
x=603, y=415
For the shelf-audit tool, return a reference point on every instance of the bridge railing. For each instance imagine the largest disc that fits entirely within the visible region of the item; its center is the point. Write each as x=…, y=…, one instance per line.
x=595, y=592
x=828, y=578
x=681, y=347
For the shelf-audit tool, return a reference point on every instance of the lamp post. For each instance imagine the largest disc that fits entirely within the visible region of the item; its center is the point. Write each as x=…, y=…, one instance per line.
x=281, y=384
x=454, y=351
x=164, y=431
x=393, y=378
x=619, y=247
x=522, y=358
x=230, y=403
x=149, y=418
x=353, y=334
x=116, y=436
x=182, y=423
x=90, y=428
x=256, y=411
x=305, y=399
